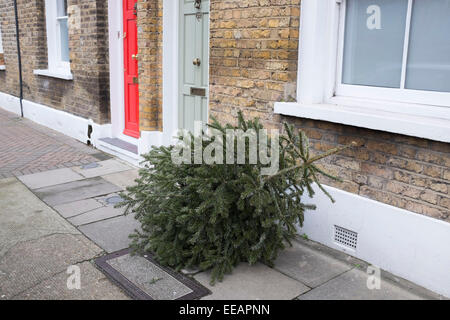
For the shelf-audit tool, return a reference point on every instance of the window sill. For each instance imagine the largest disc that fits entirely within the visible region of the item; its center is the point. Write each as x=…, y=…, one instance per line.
x=420, y=126
x=52, y=74
x=2, y=67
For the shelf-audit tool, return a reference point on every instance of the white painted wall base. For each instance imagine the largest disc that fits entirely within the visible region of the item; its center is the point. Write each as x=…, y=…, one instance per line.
x=148, y=140
x=77, y=128
x=409, y=245
x=10, y=103
x=63, y=122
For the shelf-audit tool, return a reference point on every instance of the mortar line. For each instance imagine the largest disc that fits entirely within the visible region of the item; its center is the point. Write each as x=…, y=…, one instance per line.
x=337, y=276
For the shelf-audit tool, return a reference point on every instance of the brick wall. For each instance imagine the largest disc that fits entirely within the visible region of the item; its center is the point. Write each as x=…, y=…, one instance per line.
x=87, y=95
x=9, y=79
x=254, y=53
x=150, y=64
x=405, y=172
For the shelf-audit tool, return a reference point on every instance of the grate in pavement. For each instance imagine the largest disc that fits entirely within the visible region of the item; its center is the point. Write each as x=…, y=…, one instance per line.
x=114, y=200
x=92, y=165
x=101, y=156
x=144, y=279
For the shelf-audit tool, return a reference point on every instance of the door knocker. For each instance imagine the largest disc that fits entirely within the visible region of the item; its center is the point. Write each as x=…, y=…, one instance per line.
x=198, y=4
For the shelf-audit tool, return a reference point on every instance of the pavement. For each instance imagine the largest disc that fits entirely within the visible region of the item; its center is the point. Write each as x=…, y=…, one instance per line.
x=27, y=147
x=55, y=217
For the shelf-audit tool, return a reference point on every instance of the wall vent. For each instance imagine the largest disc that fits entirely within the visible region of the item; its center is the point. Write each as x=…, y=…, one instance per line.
x=345, y=237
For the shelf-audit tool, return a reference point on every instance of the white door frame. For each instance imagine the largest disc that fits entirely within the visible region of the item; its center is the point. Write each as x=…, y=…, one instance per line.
x=171, y=22
x=171, y=55
x=116, y=70
x=171, y=17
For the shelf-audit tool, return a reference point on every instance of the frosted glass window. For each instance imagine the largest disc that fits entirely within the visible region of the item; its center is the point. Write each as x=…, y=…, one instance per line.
x=374, y=42
x=428, y=66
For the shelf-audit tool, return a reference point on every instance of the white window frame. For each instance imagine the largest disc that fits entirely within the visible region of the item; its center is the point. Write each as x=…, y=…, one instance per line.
x=56, y=67
x=432, y=98
x=319, y=96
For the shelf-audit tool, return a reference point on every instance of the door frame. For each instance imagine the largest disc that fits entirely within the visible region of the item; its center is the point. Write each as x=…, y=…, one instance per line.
x=171, y=22
x=116, y=70
x=132, y=108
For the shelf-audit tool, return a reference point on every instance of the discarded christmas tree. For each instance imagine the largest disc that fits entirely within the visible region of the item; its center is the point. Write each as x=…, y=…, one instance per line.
x=218, y=215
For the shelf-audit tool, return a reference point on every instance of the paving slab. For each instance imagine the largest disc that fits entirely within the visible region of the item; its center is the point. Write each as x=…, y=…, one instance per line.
x=73, y=191
x=94, y=286
x=112, y=234
x=123, y=179
x=29, y=263
x=257, y=282
x=24, y=217
x=72, y=209
x=50, y=178
x=352, y=285
x=102, y=213
x=311, y=267
x=150, y=278
x=102, y=168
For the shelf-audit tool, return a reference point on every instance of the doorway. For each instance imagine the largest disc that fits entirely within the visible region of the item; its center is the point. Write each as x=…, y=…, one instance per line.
x=193, y=63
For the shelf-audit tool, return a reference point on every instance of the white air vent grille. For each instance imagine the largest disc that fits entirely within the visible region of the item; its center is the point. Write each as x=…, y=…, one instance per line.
x=345, y=237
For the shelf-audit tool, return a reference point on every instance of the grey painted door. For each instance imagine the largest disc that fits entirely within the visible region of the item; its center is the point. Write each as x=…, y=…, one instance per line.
x=194, y=62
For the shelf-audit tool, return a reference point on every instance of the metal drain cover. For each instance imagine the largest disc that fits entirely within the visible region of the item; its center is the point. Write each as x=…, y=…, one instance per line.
x=114, y=200
x=144, y=279
x=92, y=165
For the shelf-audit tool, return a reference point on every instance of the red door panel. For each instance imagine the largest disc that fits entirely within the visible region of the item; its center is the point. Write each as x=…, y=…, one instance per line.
x=131, y=69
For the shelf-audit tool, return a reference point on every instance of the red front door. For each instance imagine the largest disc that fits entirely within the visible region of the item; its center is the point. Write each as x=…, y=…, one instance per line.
x=131, y=68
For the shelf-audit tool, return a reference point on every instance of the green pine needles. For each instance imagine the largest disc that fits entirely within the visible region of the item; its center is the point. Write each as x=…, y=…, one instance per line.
x=219, y=215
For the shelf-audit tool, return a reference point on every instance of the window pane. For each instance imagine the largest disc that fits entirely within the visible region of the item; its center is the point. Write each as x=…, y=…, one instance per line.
x=374, y=41
x=62, y=8
x=428, y=65
x=64, y=32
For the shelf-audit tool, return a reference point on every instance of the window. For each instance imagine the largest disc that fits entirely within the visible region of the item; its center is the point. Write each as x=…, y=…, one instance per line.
x=396, y=50
x=63, y=31
x=378, y=64
x=57, y=40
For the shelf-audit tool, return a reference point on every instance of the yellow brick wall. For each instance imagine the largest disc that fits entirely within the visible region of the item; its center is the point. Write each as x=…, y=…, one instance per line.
x=150, y=64
x=87, y=95
x=254, y=54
